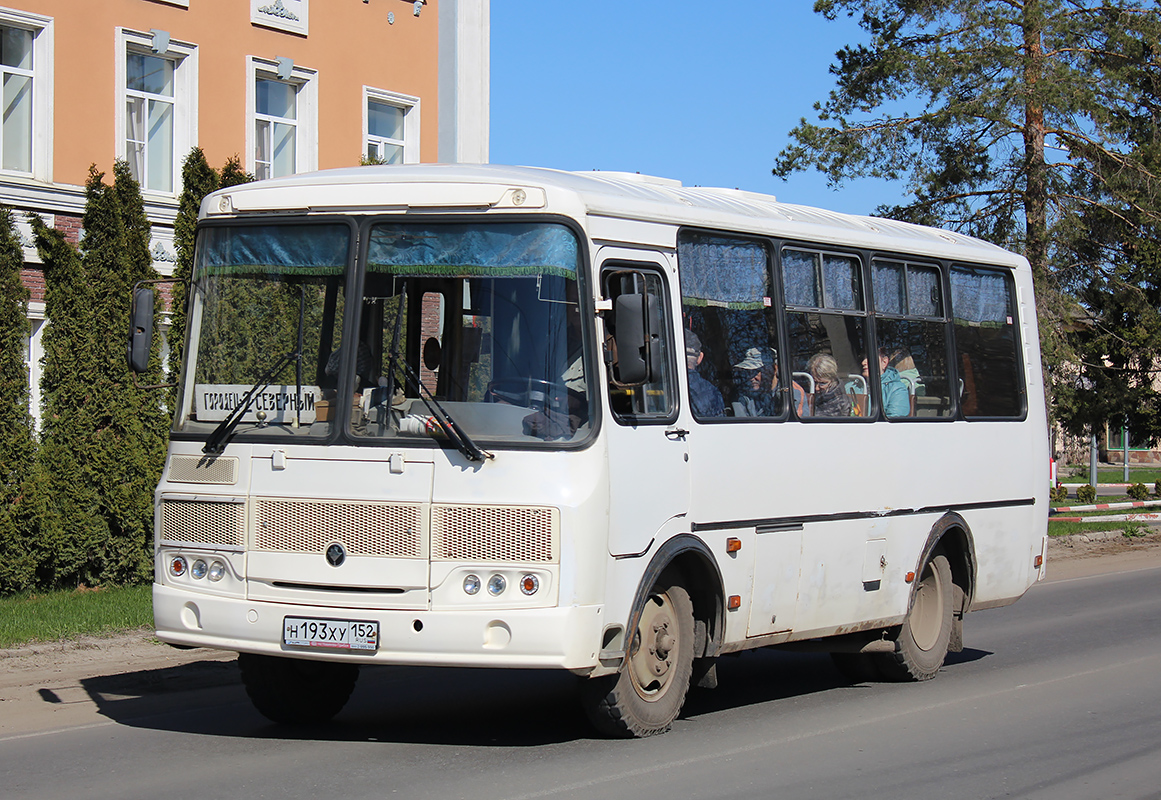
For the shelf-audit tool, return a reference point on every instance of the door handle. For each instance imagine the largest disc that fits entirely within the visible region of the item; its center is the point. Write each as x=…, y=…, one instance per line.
x=676, y=433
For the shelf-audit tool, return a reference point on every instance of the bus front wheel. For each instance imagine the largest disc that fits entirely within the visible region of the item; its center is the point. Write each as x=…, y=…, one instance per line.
x=290, y=691
x=923, y=640
x=646, y=696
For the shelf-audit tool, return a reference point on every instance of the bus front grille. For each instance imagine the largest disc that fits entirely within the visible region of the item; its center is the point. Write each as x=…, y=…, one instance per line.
x=215, y=524
x=495, y=533
x=394, y=530
x=203, y=469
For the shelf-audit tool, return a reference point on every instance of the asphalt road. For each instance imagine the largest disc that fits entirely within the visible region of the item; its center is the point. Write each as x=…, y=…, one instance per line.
x=1056, y=697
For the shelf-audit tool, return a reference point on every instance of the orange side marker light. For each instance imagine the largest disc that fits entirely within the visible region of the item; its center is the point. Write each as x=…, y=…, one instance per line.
x=910, y=577
x=734, y=602
x=733, y=545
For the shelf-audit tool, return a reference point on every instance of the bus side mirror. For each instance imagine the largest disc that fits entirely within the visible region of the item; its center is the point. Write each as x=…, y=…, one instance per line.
x=637, y=321
x=140, y=329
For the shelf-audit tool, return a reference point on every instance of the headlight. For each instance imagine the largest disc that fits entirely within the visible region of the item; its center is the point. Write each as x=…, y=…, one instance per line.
x=198, y=570
x=471, y=584
x=496, y=585
x=217, y=571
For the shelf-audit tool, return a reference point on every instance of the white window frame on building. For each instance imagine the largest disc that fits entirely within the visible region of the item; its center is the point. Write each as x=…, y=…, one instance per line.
x=400, y=146
x=262, y=127
x=160, y=172
x=36, y=160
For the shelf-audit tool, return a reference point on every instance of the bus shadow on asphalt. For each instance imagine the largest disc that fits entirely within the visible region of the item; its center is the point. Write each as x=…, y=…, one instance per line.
x=448, y=706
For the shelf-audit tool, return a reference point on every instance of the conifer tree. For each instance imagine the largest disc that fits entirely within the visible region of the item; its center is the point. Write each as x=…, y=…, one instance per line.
x=20, y=497
x=127, y=450
x=198, y=179
x=986, y=108
x=73, y=530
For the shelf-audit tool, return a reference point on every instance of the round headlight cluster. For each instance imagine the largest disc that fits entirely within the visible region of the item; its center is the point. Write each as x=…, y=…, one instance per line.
x=497, y=584
x=215, y=571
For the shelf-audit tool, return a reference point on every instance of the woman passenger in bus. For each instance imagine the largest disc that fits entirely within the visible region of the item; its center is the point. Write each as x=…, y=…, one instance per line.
x=829, y=398
x=896, y=398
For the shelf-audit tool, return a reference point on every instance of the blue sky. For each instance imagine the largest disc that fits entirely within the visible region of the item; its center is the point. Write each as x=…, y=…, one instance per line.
x=704, y=92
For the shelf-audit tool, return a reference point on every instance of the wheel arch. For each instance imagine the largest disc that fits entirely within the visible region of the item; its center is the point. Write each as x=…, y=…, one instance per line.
x=701, y=577
x=952, y=536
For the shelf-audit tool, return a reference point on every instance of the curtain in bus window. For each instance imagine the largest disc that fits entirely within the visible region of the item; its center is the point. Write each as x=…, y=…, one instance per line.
x=991, y=384
x=727, y=273
x=800, y=276
x=726, y=304
x=924, y=298
x=473, y=250
x=887, y=281
x=274, y=250
x=840, y=276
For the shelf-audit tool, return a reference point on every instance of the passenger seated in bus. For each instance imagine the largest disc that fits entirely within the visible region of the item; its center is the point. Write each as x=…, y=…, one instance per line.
x=704, y=398
x=904, y=364
x=754, y=375
x=829, y=399
x=896, y=398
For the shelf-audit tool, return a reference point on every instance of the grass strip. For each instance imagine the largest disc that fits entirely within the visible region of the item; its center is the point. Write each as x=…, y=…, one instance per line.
x=50, y=616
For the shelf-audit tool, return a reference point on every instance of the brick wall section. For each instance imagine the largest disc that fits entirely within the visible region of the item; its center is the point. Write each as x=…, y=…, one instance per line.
x=428, y=328
x=70, y=227
x=32, y=275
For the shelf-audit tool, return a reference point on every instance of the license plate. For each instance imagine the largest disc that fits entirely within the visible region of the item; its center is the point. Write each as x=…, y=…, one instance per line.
x=335, y=634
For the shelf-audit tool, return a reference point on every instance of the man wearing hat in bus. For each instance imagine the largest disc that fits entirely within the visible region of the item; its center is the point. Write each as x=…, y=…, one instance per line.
x=704, y=397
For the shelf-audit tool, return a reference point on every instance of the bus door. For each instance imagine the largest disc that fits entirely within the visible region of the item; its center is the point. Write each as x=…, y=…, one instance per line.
x=648, y=454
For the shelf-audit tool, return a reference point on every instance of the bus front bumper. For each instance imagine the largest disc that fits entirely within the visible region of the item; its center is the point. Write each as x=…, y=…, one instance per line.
x=542, y=638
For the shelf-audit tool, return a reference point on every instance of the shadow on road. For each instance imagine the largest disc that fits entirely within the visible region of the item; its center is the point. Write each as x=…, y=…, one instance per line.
x=442, y=706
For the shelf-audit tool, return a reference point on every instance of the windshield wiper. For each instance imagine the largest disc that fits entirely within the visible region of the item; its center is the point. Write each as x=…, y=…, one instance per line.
x=455, y=434
x=222, y=434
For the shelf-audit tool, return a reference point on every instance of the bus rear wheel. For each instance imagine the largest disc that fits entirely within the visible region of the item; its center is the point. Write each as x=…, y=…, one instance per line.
x=923, y=640
x=292, y=691
x=646, y=696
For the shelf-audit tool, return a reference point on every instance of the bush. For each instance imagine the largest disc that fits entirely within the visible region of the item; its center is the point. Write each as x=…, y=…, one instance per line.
x=1058, y=493
x=1086, y=494
x=1138, y=491
x=1157, y=489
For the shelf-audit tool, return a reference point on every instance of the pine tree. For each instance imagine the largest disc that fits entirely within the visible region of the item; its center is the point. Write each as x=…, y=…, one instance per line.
x=20, y=497
x=1111, y=259
x=986, y=108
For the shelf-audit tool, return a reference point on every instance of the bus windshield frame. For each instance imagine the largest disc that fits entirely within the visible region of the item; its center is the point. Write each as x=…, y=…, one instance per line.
x=479, y=321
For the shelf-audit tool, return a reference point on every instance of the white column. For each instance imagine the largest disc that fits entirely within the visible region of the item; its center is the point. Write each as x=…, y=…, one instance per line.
x=464, y=81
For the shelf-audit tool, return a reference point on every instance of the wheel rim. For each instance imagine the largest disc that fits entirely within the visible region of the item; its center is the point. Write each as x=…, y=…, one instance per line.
x=654, y=649
x=926, y=618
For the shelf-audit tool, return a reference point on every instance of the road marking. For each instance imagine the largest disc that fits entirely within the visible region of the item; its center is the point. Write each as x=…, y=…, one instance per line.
x=55, y=731
x=877, y=721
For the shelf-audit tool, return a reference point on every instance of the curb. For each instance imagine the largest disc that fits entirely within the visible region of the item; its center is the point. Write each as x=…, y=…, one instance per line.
x=1095, y=536
x=1105, y=506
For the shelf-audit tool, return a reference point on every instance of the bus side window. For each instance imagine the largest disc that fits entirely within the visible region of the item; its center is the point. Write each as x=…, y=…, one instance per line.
x=654, y=397
x=986, y=342
x=731, y=319
x=826, y=330
x=911, y=328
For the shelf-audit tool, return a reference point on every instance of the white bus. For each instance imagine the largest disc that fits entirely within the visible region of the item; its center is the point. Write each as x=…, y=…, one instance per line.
x=604, y=423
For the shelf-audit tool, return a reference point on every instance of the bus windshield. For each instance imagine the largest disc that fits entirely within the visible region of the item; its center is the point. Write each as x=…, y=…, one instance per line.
x=476, y=322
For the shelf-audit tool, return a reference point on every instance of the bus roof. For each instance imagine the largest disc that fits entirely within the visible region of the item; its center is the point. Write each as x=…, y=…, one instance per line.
x=644, y=198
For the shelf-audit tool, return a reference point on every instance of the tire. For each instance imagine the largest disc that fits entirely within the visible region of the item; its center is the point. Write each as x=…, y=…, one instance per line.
x=646, y=696
x=291, y=691
x=923, y=640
